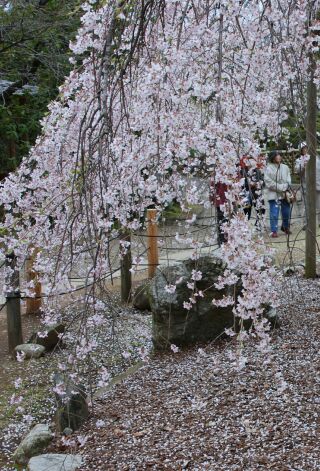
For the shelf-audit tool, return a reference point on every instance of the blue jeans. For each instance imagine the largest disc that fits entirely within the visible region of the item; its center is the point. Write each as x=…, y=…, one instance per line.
x=274, y=206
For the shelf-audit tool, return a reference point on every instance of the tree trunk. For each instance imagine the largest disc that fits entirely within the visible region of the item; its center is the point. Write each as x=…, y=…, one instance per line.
x=126, y=265
x=311, y=130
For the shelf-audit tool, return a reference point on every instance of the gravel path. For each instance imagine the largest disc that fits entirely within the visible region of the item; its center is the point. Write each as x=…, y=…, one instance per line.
x=197, y=410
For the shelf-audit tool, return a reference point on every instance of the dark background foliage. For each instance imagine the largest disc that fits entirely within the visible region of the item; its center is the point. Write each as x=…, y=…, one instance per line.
x=34, y=59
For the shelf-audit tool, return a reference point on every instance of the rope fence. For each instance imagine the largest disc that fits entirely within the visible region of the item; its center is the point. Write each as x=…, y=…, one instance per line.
x=158, y=244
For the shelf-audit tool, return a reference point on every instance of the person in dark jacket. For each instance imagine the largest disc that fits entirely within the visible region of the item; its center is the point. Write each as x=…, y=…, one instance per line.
x=246, y=194
x=252, y=189
x=218, y=198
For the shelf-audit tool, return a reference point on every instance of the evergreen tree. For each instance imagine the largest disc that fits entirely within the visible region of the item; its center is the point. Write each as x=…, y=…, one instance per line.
x=34, y=59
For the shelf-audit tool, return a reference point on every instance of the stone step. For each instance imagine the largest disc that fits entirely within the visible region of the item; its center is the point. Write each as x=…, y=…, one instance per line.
x=55, y=462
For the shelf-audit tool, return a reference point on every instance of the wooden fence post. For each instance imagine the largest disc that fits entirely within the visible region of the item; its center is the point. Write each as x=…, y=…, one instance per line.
x=33, y=305
x=153, y=253
x=13, y=305
x=126, y=265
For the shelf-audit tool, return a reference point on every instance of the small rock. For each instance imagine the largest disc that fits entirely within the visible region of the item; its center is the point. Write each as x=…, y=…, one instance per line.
x=33, y=444
x=51, y=339
x=67, y=431
x=30, y=350
x=72, y=406
x=55, y=462
x=141, y=298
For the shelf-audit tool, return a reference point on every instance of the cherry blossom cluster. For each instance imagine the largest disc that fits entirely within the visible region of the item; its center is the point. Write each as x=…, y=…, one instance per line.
x=161, y=91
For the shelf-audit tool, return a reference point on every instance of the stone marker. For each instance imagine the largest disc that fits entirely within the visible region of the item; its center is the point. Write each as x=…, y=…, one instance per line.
x=51, y=339
x=34, y=443
x=72, y=407
x=55, y=462
x=141, y=297
x=30, y=350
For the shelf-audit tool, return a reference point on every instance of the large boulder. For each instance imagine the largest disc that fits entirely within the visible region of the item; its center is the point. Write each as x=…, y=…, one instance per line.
x=55, y=462
x=72, y=405
x=30, y=350
x=50, y=337
x=33, y=444
x=172, y=323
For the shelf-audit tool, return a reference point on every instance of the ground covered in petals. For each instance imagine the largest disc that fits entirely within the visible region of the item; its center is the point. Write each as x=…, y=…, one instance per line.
x=26, y=396
x=198, y=410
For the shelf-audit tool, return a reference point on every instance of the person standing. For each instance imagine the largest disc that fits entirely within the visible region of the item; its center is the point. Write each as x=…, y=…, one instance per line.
x=252, y=190
x=246, y=193
x=218, y=198
x=277, y=181
x=257, y=184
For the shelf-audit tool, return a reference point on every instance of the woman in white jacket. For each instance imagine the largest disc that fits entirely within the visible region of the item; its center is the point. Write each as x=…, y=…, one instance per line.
x=277, y=180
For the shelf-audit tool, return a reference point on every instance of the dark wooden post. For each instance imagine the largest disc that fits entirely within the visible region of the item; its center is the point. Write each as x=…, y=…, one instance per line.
x=126, y=265
x=153, y=253
x=13, y=305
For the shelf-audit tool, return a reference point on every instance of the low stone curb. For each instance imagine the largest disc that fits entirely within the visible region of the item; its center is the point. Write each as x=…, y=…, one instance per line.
x=118, y=379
